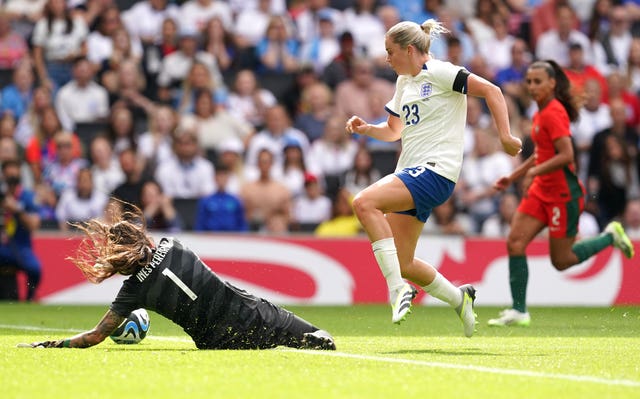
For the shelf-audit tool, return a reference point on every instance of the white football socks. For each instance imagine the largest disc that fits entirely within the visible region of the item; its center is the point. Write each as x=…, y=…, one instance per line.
x=444, y=290
x=385, y=252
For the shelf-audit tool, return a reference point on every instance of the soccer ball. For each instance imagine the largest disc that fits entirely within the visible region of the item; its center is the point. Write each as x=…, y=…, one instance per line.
x=133, y=329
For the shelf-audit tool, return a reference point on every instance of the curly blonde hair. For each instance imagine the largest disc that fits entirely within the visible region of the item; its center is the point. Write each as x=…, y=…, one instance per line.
x=119, y=246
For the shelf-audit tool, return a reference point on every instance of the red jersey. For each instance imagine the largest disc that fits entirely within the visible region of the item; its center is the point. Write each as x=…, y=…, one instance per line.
x=578, y=79
x=42, y=154
x=561, y=185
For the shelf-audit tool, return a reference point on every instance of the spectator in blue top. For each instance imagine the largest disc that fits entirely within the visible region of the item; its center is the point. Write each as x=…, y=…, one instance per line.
x=417, y=11
x=511, y=78
x=278, y=50
x=221, y=211
x=16, y=97
x=19, y=220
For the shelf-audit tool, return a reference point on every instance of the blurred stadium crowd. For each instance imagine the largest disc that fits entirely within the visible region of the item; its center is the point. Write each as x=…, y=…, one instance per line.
x=217, y=115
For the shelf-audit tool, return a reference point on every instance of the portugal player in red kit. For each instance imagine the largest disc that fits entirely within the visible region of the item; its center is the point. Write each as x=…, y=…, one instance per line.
x=553, y=195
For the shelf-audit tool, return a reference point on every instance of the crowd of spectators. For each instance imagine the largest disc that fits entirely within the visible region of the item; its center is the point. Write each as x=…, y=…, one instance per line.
x=216, y=115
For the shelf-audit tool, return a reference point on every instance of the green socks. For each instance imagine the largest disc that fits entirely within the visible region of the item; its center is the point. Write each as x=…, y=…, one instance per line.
x=584, y=249
x=519, y=271
x=518, y=279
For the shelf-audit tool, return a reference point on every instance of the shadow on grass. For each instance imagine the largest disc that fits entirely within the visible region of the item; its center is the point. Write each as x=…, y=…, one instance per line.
x=463, y=352
x=153, y=349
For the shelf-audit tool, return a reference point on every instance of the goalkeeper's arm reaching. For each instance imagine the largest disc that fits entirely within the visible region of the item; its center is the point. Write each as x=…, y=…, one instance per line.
x=110, y=321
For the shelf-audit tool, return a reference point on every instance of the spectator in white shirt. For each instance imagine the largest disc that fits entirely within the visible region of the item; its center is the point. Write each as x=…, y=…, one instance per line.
x=105, y=167
x=322, y=49
x=196, y=13
x=187, y=174
x=251, y=24
x=248, y=101
x=277, y=132
x=176, y=66
x=308, y=20
x=82, y=203
x=554, y=43
x=363, y=22
x=144, y=19
x=632, y=69
x=275, y=6
x=496, y=50
x=100, y=41
x=312, y=207
x=82, y=99
x=611, y=50
x=595, y=116
x=155, y=144
x=57, y=40
x=294, y=168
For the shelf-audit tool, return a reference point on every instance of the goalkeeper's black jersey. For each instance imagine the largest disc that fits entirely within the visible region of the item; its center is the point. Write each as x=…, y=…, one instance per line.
x=179, y=286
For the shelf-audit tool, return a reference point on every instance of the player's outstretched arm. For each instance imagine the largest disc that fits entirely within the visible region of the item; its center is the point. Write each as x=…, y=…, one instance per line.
x=110, y=321
x=480, y=87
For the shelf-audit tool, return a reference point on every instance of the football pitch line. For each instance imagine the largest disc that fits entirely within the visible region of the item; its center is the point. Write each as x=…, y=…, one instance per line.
x=413, y=362
x=481, y=369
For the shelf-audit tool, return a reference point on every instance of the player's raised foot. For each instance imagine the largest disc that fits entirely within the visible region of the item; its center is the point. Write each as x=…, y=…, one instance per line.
x=511, y=317
x=319, y=339
x=620, y=239
x=401, y=303
x=465, y=311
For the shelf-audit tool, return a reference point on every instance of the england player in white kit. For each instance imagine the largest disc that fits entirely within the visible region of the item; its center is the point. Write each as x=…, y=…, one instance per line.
x=428, y=113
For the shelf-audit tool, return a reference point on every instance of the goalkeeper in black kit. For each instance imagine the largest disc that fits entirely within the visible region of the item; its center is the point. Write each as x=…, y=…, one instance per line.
x=171, y=280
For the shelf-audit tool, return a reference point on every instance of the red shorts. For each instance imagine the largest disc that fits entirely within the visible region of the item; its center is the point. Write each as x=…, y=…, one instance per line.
x=562, y=218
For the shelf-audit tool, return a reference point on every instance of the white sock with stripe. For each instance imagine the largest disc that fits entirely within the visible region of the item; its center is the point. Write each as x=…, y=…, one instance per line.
x=444, y=290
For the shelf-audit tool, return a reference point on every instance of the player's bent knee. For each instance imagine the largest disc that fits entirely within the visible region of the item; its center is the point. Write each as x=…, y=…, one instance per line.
x=361, y=205
x=515, y=246
x=561, y=264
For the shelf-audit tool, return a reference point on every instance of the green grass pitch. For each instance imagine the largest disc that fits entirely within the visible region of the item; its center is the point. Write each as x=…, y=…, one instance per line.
x=566, y=353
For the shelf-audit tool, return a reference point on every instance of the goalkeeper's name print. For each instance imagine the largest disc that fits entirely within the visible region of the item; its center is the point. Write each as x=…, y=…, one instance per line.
x=157, y=258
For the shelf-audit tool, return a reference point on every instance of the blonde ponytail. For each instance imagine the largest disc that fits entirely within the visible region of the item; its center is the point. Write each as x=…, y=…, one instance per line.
x=433, y=28
x=409, y=33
